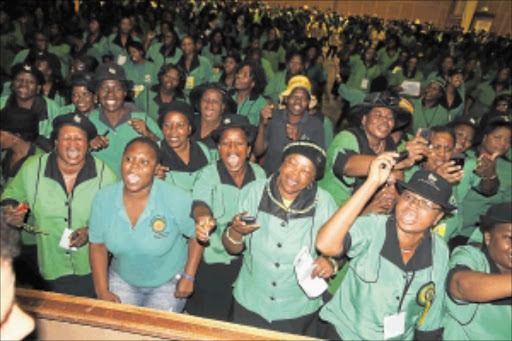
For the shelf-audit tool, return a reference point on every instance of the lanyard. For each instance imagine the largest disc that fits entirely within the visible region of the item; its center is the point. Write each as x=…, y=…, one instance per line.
x=408, y=283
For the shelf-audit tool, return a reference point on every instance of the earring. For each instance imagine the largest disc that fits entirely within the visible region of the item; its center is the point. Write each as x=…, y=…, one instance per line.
x=310, y=185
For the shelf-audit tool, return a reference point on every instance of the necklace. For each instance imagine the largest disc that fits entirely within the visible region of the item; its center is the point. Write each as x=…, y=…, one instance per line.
x=283, y=207
x=379, y=148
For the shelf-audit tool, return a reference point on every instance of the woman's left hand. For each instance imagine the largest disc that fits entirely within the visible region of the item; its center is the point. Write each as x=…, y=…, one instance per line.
x=486, y=165
x=82, y=237
x=139, y=126
x=184, y=288
x=323, y=268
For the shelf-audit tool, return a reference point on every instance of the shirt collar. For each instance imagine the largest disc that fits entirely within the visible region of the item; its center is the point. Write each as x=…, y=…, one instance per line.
x=53, y=172
x=226, y=179
x=171, y=159
x=193, y=65
x=126, y=116
x=422, y=257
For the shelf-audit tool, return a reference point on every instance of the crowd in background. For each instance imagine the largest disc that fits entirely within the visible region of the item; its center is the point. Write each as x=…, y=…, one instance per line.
x=177, y=155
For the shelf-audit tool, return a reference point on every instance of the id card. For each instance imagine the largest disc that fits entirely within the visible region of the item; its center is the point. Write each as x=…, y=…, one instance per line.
x=65, y=240
x=189, y=83
x=394, y=325
x=364, y=83
x=121, y=59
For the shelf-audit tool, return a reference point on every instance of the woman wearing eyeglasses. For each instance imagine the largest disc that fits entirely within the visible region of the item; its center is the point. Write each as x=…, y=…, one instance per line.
x=394, y=287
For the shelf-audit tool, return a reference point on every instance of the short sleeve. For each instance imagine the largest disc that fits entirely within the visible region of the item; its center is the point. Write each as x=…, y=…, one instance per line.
x=342, y=148
x=202, y=193
x=361, y=233
x=96, y=223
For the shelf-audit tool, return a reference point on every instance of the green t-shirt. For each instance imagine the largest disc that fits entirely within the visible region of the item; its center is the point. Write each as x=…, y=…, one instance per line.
x=276, y=86
x=155, y=54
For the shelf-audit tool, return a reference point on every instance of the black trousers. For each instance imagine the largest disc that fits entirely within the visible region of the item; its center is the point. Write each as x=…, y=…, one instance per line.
x=304, y=325
x=73, y=285
x=26, y=269
x=213, y=290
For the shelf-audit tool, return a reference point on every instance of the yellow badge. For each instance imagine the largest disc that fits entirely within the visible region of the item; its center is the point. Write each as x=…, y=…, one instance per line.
x=425, y=298
x=159, y=224
x=440, y=229
x=189, y=83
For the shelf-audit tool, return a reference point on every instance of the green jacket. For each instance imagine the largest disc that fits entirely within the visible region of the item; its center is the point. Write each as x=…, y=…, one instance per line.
x=157, y=57
x=428, y=118
x=276, y=86
x=251, y=108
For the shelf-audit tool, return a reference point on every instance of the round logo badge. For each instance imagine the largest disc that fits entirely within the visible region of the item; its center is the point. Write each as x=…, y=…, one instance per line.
x=159, y=224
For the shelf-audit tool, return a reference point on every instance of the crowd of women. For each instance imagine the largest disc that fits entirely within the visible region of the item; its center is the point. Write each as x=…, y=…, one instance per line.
x=178, y=158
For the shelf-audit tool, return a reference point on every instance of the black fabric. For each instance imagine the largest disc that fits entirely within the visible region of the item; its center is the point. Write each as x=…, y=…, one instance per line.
x=213, y=290
x=303, y=325
x=305, y=199
x=53, y=172
x=74, y=285
x=170, y=53
x=196, y=136
x=449, y=277
x=436, y=334
x=169, y=158
x=339, y=165
x=39, y=106
x=226, y=179
x=26, y=269
x=77, y=120
x=456, y=101
x=117, y=41
x=495, y=270
x=193, y=65
x=326, y=331
x=422, y=257
x=19, y=120
x=10, y=172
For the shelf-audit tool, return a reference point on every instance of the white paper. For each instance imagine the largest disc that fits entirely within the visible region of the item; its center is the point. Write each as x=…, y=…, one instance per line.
x=364, y=83
x=65, y=240
x=121, y=59
x=394, y=325
x=410, y=88
x=304, y=266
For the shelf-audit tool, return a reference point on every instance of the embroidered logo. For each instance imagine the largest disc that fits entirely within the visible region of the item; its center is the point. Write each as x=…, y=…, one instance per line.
x=425, y=298
x=227, y=120
x=158, y=224
x=112, y=70
x=77, y=118
x=27, y=67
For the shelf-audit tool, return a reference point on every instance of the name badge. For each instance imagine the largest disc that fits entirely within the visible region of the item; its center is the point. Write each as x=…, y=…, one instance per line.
x=189, y=83
x=364, y=83
x=121, y=59
x=394, y=325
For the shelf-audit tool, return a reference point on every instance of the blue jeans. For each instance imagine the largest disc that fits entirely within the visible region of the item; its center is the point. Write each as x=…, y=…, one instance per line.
x=161, y=298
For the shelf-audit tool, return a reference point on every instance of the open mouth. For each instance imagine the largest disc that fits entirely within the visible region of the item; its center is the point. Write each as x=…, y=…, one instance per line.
x=132, y=179
x=409, y=217
x=233, y=160
x=73, y=154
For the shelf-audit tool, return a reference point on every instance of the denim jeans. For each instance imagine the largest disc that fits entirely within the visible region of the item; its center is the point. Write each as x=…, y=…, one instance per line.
x=161, y=298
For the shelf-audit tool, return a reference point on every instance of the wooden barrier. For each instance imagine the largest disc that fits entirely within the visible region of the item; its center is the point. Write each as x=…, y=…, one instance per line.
x=63, y=317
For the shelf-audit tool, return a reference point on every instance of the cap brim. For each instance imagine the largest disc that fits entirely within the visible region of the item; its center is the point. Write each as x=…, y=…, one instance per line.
x=401, y=185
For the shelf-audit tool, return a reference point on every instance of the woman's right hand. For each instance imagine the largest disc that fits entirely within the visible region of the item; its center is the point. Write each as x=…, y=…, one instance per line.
x=266, y=113
x=13, y=216
x=204, y=225
x=241, y=227
x=109, y=296
x=99, y=142
x=381, y=168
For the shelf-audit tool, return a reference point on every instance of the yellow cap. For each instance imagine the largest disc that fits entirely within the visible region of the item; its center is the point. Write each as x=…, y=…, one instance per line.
x=297, y=82
x=406, y=105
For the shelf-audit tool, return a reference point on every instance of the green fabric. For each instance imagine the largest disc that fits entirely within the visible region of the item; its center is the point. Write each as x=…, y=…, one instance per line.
x=144, y=77
x=117, y=50
x=45, y=126
x=186, y=180
x=359, y=71
x=384, y=60
x=153, y=251
x=483, y=96
x=317, y=74
x=7, y=46
x=344, y=141
x=222, y=199
x=398, y=77
x=267, y=67
x=428, y=118
x=63, y=52
x=352, y=95
x=275, y=57
x=253, y=287
x=217, y=60
x=50, y=210
x=159, y=60
x=251, y=108
x=201, y=74
x=475, y=321
x=372, y=285
x=119, y=137
x=276, y=86
x=328, y=131
x=98, y=49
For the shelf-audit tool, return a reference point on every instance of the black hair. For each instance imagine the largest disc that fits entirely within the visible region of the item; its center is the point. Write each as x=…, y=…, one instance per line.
x=257, y=74
x=444, y=129
x=90, y=62
x=9, y=241
x=136, y=45
x=147, y=141
x=182, y=77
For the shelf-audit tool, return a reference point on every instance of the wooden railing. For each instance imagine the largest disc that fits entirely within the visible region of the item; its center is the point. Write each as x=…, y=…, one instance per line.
x=74, y=318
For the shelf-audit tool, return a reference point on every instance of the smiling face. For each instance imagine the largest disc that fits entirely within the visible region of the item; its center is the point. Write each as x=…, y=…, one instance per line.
x=25, y=86
x=136, y=55
x=187, y=46
x=497, y=141
x=176, y=129
x=433, y=91
x=72, y=145
x=298, y=101
x=379, y=122
x=456, y=80
x=170, y=80
x=230, y=65
x=414, y=213
x=233, y=149
x=212, y=105
x=440, y=150
x=82, y=98
x=499, y=244
x=111, y=95
x=464, y=135
x=244, y=79
x=295, y=174
x=138, y=167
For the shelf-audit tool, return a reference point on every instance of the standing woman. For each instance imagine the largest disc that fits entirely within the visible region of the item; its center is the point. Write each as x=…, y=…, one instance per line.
x=181, y=157
x=148, y=236
x=58, y=188
x=216, y=196
x=289, y=209
x=394, y=287
x=250, y=82
x=198, y=69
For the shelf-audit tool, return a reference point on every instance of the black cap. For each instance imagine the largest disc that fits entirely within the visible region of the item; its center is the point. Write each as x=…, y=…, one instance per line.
x=455, y=71
x=496, y=214
x=82, y=78
x=25, y=67
x=464, y=120
x=401, y=107
x=24, y=122
x=111, y=71
x=235, y=121
x=76, y=120
x=312, y=151
x=197, y=93
x=431, y=186
x=176, y=106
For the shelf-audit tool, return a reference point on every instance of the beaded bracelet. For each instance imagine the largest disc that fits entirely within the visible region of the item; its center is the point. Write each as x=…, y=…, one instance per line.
x=235, y=242
x=186, y=276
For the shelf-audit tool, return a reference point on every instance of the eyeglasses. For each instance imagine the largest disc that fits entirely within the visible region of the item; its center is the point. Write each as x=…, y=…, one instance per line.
x=421, y=203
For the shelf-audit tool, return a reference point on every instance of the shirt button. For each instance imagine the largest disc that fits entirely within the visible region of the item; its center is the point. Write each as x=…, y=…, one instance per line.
x=283, y=224
x=65, y=219
x=274, y=284
x=279, y=244
x=272, y=298
x=277, y=265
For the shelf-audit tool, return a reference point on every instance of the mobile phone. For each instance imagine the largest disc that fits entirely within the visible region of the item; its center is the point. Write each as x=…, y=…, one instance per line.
x=459, y=159
x=404, y=154
x=249, y=220
x=426, y=133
